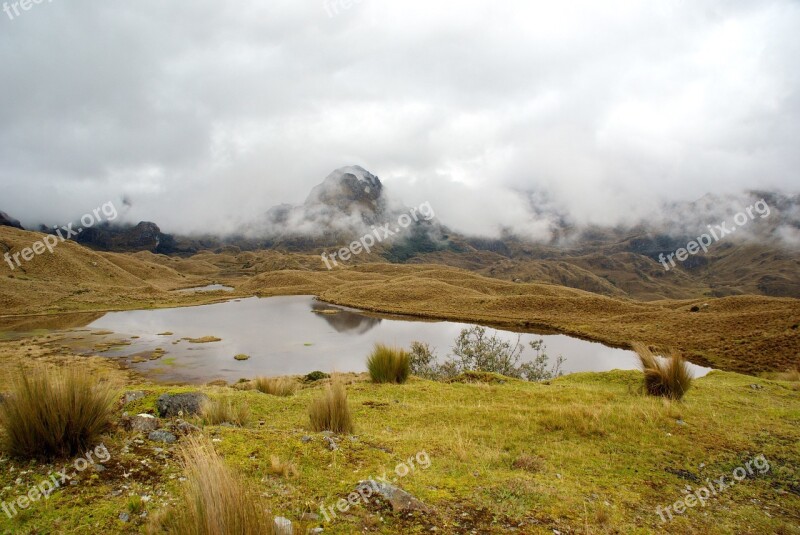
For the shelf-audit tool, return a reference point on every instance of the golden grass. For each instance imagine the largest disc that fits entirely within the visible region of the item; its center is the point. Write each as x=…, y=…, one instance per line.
x=225, y=410
x=214, y=500
x=788, y=375
x=331, y=411
x=389, y=364
x=276, y=386
x=55, y=412
x=667, y=377
x=286, y=469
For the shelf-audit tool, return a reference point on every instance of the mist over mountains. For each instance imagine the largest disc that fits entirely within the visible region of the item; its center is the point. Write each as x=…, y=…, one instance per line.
x=624, y=259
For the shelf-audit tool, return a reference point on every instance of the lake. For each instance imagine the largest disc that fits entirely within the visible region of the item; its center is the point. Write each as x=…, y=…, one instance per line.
x=291, y=335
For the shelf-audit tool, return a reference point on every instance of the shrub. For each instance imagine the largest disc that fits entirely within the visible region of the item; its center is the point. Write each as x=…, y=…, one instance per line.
x=331, y=412
x=477, y=351
x=220, y=411
x=389, y=364
x=277, y=386
x=213, y=501
x=423, y=361
x=315, y=376
x=664, y=376
x=55, y=412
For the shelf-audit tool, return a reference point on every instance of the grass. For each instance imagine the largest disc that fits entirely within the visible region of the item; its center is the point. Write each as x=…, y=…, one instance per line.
x=667, y=377
x=501, y=457
x=276, y=386
x=226, y=410
x=331, y=411
x=788, y=375
x=55, y=412
x=214, y=499
x=241, y=356
x=389, y=364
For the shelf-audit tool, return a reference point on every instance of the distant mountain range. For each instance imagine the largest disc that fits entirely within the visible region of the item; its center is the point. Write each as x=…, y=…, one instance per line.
x=761, y=257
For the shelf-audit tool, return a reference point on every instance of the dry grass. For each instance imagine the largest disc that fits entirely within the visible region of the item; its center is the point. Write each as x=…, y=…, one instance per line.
x=788, y=375
x=331, y=411
x=389, y=364
x=276, y=386
x=667, y=377
x=281, y=468
x=214, y=500
x=55, y=412
x=225, y=410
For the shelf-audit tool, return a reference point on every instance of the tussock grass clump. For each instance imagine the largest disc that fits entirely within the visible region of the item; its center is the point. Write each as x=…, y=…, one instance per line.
x=788, y=375
x=225, y=410
x=276, y=386
x=285, y=469
x=55, y=412
x=389, y=364
x=214, y=499
x=667, y=377
x=331, y=411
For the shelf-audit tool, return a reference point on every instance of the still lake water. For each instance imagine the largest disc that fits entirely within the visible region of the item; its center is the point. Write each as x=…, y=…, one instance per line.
x=291, y=335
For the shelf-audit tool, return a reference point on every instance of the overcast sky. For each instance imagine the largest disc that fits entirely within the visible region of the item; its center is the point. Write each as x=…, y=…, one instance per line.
x=204, y=114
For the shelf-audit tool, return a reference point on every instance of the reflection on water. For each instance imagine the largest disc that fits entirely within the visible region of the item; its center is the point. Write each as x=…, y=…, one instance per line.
x=344, y=320
x=294, y=335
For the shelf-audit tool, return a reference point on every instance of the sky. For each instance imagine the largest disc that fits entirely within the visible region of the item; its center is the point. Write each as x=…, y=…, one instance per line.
x=202, y=115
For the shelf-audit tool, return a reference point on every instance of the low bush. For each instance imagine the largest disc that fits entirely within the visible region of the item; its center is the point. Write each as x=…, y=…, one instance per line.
x=213, y=499
x=389, y=364
x=665, y=376
x=331, y=411
x=55, y=412
x=277, y=386
x=225, y=410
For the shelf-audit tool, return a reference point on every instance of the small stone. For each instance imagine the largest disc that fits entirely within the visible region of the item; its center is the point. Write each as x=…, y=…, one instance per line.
x=331, y=443
x=124, y=517
x=186, y=428
x=306, y=439
x=283, y=526
x=170, y=405
x=132, y=396
x=144, y=423
x=315, y=531
x=310, y=517
x=680, y=422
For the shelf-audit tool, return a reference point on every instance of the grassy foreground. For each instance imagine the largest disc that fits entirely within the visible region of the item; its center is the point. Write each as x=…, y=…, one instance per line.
x=586, y=453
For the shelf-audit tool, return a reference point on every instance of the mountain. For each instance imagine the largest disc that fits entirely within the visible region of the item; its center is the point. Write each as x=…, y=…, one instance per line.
x=761, y=257
x=8, y=221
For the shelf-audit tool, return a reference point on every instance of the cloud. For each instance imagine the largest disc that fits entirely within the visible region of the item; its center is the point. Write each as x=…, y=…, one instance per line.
x=204, y=116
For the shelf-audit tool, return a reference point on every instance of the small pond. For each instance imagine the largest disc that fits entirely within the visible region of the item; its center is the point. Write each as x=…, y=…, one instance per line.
x=289, y=335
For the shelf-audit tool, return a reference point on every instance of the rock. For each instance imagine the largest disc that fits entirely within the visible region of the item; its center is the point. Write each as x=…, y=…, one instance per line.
x=310, y=517
x=306, y=439
x=187, y=403
x=132, y=396
x=162, y=436
x=315, y=531
x=8, y=221
x=283, y=526
x=331, y=443
x=144, y=423
x=680, y=422
x=185, y=428
x=756, y=387
x=399, y=499
x=124, y=517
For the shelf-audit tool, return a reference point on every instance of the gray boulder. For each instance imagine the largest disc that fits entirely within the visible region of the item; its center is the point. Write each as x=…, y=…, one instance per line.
x=398, y=499
x=185, y=404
